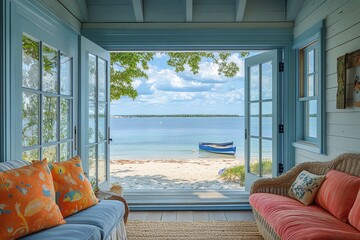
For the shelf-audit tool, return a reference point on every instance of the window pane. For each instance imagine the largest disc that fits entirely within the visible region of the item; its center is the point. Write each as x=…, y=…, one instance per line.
x=65, y=118
x=102, y=79
x=254, y=156
x=92, y=77
x=266, y=118
x=50, y=153
x=266, y=162
x=92, y=122
x=64, y=151
x=311, y=118
x=30, y=63
x=49, y=119
x=254, y=119
x=102, y=163
x=311, y=84
x=254, y=83
x=31, y=155
x=92, y=161
x=266, y=81
x=65, y=74
x=50, y=69
x=30, y=119
x=102, y=122
x=311, y=61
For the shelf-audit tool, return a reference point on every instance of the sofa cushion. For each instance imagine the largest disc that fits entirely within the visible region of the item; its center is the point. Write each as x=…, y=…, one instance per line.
x=68, y=232
x=338, y=193
x=354, y=215
x=305, y=187
x=73, y=190
x=27, y=201
x=105, y=215
x=292, y=220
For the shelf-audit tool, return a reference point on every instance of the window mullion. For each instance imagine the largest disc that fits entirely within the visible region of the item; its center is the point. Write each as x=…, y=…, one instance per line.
x=58, y=106
x=97, y=120
x=41, y=100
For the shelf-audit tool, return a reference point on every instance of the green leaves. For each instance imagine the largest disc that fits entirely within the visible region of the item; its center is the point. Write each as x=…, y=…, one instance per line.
x=124, y=68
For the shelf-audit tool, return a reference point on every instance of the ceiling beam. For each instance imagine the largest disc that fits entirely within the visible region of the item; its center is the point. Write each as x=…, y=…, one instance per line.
x=292, y=9
x=240, y=10
x=189, y=10
x=78, y=8
x=83, y=10
x=138, y=10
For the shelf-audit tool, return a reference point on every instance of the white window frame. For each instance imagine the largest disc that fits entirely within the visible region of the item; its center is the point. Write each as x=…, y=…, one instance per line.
x=312, y=39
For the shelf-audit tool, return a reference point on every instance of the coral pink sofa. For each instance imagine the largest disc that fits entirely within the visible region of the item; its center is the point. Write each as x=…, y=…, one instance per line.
x=280, y=217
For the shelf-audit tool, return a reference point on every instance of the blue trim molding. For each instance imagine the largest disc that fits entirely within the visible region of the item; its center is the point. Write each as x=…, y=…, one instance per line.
x=315, y=34
x=167, y=39
x=4, y=79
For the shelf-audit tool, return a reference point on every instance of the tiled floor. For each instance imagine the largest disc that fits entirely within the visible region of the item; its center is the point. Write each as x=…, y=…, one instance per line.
x=191, y=216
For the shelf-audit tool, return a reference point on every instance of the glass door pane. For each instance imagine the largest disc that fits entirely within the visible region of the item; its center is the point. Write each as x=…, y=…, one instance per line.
x=260, y=94
x=47, y=102
x=95, y=62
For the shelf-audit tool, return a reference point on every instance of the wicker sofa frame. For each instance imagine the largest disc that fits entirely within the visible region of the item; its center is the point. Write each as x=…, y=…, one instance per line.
x=348, y=163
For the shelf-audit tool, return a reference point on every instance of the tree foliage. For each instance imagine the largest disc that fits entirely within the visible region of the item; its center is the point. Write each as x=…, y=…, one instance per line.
x=124, y=68
x=127, y=66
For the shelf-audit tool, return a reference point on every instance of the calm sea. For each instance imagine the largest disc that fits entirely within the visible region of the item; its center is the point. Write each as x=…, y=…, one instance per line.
x=175, y=137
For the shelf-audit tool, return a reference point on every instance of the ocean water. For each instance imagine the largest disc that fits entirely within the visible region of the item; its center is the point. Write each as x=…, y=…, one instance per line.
x=176, y=137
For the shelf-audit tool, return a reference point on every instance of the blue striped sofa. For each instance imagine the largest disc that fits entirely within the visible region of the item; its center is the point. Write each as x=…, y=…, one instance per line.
x=102, y=221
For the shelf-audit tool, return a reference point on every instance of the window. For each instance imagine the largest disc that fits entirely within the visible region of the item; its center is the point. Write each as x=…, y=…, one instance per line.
x=310, y=110
x=47, y=102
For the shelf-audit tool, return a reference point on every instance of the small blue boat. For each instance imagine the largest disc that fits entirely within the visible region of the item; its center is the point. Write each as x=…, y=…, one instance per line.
x=221, y=148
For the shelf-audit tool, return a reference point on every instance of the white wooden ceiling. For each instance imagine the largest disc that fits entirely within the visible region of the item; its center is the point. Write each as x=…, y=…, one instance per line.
x=182, y=11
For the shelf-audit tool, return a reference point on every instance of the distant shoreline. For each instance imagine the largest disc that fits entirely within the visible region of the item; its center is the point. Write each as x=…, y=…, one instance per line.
x=174, y=115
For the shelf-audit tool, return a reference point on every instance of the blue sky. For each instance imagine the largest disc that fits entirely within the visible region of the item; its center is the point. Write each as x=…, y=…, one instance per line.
x=168, y=92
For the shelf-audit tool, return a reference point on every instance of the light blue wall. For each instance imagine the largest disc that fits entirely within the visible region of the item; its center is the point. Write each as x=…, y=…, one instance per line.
x=342, y=35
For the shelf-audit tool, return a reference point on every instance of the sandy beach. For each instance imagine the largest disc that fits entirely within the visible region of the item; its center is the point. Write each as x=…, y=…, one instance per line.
x=172, y=174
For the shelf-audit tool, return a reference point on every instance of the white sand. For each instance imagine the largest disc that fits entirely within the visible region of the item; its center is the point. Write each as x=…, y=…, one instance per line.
x=172, y=174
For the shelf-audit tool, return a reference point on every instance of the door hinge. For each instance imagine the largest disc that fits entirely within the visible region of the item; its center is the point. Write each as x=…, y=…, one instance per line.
x=281, y=168
x=109, y=138
x=281, y=128
x=75, y=138
x=281, y=66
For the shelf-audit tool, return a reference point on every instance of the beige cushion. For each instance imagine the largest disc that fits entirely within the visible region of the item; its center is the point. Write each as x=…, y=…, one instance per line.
x=305, y=187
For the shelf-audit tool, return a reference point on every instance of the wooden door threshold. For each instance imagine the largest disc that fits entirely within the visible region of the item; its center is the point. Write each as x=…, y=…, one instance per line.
x=166, y=200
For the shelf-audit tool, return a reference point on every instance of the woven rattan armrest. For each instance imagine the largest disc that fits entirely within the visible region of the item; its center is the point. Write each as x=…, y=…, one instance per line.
x=280, y=185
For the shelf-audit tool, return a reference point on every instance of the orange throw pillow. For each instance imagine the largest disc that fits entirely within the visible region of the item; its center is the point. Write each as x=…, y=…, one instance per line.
x=27, y=201
x=338, y=193
x=73, y=190
x=354, y=215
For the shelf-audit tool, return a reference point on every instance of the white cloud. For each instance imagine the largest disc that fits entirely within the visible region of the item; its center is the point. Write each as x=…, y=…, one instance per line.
x=136, y=83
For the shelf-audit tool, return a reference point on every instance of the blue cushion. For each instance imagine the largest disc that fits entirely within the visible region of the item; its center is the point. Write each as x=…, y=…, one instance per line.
x=104, y=215
x=4, y=166
x=68, y=232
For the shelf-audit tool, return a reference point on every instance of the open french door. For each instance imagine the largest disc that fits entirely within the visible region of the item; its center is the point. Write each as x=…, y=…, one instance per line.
x=261, y=116
x=94, y=123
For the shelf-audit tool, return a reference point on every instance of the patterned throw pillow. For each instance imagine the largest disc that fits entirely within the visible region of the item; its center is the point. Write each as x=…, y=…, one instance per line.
x=27, y=201
x=305, y=187
x=73, y=190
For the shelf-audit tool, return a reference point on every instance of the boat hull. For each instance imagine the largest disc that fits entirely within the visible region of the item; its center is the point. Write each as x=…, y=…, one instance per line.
x=222, y=148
